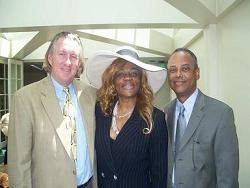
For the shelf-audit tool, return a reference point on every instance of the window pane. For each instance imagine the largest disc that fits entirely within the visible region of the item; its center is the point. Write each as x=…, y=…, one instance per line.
x=1, y=70
x=18, y=84
x=6, y=102
x=6, y=86
x=6, y=71
x=2, y=86
x=2, y=102
x=19, y=71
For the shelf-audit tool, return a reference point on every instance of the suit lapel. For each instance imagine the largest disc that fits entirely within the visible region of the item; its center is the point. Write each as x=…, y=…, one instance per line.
x=171, y=120
x=52, y=107
x=194, y=120
x=107, y=148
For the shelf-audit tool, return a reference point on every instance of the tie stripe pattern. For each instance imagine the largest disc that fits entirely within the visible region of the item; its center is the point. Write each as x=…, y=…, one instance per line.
x=68, y=113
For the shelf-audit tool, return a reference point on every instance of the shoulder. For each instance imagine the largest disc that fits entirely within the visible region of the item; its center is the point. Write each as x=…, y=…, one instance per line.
x=170, y=105
x=158, y=116
x=86, y=88
x=158, y=112
x=98, y=110
x=215, y=104
x=159, y=124
x=97, y=106
x=170, y=108
x=32, y=88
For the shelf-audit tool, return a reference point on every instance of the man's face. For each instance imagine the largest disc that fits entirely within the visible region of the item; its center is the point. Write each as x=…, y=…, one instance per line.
x=64, y=60
x=182, y=75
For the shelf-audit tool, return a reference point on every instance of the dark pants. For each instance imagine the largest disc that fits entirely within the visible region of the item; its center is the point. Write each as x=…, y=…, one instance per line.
x=87, y=184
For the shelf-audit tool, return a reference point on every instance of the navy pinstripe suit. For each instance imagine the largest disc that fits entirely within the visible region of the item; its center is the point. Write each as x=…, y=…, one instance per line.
x=135, y=160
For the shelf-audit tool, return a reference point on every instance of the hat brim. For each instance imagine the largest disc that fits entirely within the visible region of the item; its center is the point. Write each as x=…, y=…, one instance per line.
x=97, y=64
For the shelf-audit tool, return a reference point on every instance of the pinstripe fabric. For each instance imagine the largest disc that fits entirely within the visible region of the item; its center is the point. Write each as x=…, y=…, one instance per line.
x=136, y=160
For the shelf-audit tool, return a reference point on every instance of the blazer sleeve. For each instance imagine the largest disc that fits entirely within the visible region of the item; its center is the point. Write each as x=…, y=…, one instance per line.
x=158, y=151
x=19, y=144
x=226, y=152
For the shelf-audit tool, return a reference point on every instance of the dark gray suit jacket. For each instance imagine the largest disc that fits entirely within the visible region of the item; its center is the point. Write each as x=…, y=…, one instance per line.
x=208, y=156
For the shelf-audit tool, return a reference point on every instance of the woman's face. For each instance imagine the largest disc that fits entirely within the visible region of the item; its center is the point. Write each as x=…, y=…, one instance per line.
x=127, y=81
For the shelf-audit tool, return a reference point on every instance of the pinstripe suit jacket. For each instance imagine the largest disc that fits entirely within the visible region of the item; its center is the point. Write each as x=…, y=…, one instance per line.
x=208, y=155
x=135, y=160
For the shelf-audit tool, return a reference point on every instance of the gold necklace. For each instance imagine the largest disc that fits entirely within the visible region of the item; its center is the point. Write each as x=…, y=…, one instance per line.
x=113, y=124
x=124, y=115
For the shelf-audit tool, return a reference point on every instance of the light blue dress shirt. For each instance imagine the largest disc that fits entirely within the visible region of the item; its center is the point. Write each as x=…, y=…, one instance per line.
x=83, y=164
x=188, y=105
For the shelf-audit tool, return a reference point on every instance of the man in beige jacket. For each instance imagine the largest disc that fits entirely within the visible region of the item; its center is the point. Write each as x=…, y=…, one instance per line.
x=40, y=144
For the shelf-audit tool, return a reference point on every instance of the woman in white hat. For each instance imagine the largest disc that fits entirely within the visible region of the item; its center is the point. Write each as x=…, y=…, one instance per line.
x=131, y=134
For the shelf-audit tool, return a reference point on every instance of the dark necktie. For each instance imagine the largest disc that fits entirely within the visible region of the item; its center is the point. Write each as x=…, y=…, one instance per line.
x=68, y=113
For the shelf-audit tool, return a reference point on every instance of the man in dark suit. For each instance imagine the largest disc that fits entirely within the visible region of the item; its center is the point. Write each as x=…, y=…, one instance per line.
x=203, y=145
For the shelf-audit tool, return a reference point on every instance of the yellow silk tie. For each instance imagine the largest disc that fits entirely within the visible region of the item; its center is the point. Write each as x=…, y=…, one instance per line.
x=68, y=113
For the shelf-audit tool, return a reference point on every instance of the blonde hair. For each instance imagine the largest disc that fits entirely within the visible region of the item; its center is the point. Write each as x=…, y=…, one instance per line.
x=51, y=49
x=108, y=96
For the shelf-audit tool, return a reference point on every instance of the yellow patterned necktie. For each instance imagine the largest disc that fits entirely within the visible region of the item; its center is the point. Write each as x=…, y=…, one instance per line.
x=68, y=114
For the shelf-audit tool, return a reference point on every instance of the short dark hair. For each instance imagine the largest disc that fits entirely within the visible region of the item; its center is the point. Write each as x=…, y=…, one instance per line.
x=193, y=56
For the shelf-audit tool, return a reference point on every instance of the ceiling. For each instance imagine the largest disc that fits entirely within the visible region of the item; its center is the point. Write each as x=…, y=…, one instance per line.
x=154, y=27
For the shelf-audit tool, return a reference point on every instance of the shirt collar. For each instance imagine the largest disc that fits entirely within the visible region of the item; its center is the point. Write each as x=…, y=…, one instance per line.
x=59, y=88
x=189, y=103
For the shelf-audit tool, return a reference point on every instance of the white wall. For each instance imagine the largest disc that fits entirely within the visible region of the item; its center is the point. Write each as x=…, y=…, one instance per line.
x=199, y=50
x=234, y=32
x=233, y=77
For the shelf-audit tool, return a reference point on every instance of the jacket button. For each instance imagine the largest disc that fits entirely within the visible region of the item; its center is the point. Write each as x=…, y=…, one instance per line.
x=74, y=172
x=115, y=177
x=103, y=175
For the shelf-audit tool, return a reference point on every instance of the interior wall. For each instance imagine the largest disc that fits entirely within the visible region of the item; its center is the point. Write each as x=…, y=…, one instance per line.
x=199, y=50
x=234, y=82
x=234, y=32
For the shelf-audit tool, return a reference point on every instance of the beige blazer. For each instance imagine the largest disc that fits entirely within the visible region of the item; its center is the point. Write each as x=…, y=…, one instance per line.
x=38, y=145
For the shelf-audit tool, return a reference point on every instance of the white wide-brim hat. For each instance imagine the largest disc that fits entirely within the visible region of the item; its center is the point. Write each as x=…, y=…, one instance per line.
x=100, y=61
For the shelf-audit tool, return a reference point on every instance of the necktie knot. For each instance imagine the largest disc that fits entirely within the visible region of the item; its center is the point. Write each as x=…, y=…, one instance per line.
x=182, y=109
x=66, y=90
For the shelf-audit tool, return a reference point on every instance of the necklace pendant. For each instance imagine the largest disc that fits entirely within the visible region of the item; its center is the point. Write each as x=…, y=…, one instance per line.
x=116, y=132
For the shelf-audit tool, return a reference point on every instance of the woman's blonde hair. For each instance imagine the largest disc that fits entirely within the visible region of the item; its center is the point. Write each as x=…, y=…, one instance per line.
x=51, y=49
x=108, y=96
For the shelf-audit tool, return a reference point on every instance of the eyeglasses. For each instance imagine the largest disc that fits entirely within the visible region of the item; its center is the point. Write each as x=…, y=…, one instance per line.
x=64, y=56
x=183, y=69
x=130, y=73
